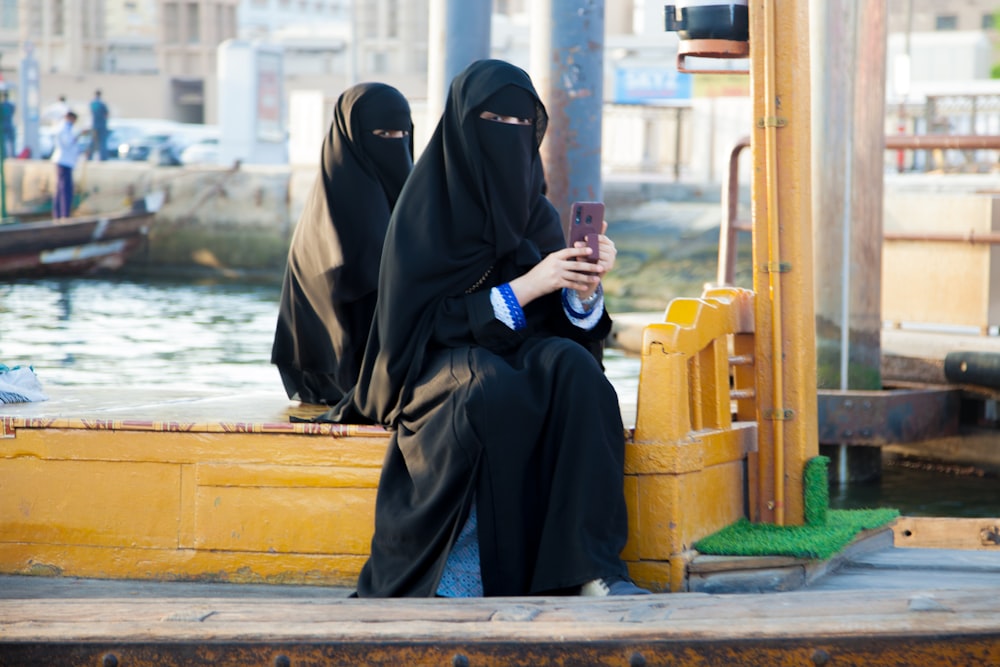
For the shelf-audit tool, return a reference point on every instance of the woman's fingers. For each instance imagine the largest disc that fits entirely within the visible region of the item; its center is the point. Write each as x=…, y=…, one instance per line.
x=608, y=254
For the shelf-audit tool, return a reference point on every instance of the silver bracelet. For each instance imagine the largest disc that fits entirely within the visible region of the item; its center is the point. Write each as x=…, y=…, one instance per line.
x=592, y=299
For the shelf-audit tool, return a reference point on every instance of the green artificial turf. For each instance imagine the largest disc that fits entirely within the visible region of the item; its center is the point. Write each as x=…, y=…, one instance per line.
x=816, y=490
x=825, y=533
x=809, y=541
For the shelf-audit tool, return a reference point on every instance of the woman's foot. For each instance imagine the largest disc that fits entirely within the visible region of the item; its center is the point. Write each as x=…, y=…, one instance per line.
x=614, y=585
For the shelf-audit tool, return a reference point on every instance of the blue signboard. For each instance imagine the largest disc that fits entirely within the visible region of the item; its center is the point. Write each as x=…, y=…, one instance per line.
x=644, y=85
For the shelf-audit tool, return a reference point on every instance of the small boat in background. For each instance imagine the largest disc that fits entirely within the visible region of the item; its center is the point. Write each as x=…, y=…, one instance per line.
x=78, y=245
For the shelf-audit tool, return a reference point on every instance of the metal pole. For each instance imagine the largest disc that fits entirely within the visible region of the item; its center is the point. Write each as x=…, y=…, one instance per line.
x=848, y=136
x=352, y=58
x=29, y=100
x=3, y=180
x=567, y=67
x=459, y=35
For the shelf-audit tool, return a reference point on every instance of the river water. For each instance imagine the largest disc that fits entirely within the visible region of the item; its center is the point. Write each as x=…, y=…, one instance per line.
x=216, y=335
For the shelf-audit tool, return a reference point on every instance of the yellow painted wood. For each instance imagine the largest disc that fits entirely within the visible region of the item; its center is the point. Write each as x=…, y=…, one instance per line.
x=687, y=454
x=42, y=559
x=187, y=529
x=797, y=358
x=83, y=444
x=699, y=450
x=979, y=534
x=652, y=575
x=285, y=520
x=677, y=510
x=158, y=485
x=631, y=551
x=111, y=504
x=257, y=475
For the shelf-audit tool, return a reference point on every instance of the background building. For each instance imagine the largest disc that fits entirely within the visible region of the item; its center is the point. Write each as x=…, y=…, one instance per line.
x=159, y=59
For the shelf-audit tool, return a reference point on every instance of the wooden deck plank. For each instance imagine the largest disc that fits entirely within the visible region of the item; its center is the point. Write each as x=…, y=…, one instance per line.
x=679, y=616
x=45, y=622
x=939, y=560
x=950, y=533
x=853, y=577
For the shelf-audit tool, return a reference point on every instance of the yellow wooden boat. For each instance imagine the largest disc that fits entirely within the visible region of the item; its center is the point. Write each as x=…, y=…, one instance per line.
x=223, y=488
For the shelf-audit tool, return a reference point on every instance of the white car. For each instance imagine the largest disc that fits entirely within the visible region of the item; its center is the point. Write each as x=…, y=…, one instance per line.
x=202, y=151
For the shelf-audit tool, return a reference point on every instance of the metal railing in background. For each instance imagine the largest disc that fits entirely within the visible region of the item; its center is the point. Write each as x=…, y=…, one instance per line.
x=732, y=225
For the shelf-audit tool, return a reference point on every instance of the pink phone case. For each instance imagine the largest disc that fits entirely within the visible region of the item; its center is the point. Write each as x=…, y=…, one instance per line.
x=586, y=218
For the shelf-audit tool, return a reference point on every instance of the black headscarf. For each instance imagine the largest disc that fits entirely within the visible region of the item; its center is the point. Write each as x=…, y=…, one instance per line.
x=474, y=199
x=362, y=176
x=335, y=250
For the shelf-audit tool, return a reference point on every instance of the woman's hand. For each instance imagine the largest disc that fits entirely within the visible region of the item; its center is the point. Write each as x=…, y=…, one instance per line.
x=566, y=268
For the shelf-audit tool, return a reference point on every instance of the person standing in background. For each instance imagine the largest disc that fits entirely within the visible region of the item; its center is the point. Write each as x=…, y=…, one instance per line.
x=99, y=127
x=65, y=155
x=7, y=125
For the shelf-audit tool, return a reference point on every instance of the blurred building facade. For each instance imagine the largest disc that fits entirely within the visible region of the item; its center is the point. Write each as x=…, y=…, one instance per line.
x=932, y=15
x=158, y=59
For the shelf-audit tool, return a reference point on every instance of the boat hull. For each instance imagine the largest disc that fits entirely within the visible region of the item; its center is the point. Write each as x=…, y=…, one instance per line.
x=71, y=246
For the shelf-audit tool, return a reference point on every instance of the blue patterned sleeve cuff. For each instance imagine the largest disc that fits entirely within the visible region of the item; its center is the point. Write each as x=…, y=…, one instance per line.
x=506, y=308
x=577, y=312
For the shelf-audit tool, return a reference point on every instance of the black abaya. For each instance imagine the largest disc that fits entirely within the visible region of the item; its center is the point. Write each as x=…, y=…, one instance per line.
x=329, y=289
x=522, y=422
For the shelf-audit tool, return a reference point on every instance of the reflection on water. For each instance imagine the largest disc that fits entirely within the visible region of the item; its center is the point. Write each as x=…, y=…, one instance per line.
x=120, y=333
x=218, y=336
x=917, y=492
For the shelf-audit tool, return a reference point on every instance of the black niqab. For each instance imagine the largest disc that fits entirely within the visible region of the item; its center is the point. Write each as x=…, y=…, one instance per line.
x=328, y=294
x=456, y=222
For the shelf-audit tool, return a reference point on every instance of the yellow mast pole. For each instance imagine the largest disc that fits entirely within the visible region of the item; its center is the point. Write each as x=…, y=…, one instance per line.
x=785, y=343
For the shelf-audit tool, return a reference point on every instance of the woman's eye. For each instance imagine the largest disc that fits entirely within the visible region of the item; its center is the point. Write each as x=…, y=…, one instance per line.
x=509, y=120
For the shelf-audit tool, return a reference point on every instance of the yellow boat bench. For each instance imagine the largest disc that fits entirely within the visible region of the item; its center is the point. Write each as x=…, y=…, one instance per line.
x=151, y=484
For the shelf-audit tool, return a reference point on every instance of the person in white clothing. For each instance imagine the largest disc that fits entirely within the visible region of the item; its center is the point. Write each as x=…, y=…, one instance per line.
x=54, y=113
x=66, y=154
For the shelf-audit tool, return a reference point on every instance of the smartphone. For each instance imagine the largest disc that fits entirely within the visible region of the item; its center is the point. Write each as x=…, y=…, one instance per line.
x=586, y=220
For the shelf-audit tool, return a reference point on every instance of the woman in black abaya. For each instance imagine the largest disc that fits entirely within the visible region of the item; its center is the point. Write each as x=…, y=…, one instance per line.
x=329, y=289
x=504, y=473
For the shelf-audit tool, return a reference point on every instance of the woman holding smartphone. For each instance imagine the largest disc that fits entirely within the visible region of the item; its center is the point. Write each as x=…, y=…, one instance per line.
x=504, y=473
x=329, y=289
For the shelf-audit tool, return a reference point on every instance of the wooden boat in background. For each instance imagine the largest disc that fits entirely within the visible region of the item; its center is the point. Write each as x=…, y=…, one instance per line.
x=31, y=247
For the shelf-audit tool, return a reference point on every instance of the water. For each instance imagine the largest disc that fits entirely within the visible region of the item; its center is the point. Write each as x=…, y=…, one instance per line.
x=183, y=335
x=918, y=492
x=122, y=333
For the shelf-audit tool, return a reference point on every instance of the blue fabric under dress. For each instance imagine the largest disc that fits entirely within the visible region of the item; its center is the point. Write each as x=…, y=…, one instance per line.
x=462, y=577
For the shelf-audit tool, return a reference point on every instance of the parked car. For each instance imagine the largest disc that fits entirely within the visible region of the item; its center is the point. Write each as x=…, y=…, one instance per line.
x=161, y=148
x=202, y=151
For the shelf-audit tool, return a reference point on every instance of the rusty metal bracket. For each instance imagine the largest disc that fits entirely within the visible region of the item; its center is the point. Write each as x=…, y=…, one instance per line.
x=776, y=267
x=884, y=417
x=772, y=121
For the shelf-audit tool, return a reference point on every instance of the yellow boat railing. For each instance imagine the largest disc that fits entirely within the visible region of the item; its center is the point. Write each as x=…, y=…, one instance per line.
x=687, y=463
